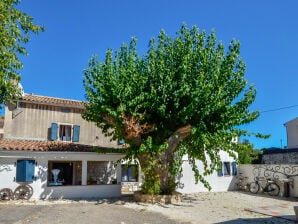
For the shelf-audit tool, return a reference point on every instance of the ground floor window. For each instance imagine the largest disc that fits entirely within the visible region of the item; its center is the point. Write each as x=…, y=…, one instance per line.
x=100, y=172
x=61, y=173
x=129, y=173
x=25, y=170
x=227, y=169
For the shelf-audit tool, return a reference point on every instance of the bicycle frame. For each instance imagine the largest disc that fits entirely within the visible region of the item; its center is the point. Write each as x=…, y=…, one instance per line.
x=270, y=186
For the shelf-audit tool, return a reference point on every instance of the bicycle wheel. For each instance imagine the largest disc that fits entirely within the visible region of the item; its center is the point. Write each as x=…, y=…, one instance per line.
x=254, y=187
x=273, y=189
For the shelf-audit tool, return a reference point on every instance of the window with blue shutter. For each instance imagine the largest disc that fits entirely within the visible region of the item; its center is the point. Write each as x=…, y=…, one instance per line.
x=234, y=168
x=121, y=142
x=129, y=173
x=25, y=170
x=219, y=171
x=227, y=168
x=76, y=133
x=54, y=131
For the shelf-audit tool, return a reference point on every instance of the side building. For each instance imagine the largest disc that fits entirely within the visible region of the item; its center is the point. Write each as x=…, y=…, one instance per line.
x=289, y=154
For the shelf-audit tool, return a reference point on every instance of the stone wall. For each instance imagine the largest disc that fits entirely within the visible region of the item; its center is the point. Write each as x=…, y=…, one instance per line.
x=281, y=173
x=280, y=158
x=130, y=187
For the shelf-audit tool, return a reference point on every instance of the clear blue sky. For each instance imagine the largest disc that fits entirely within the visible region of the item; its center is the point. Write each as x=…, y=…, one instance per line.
x=75, y=30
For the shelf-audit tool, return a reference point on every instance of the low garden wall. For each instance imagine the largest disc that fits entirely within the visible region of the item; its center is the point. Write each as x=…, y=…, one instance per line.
x=282, y=173
x=163, y=199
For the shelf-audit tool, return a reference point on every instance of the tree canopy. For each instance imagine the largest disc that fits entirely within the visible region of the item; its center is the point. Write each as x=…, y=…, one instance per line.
x=15, y=30
x=186, y=96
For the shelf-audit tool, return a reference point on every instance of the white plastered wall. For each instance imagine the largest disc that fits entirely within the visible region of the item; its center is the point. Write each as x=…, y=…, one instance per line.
x=217, y=183
x=39, y=185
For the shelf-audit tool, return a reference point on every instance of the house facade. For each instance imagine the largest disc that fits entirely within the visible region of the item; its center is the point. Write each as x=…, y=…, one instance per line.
x=222, y=180
x=289, y=154
x=292, y=133
x=48, y=146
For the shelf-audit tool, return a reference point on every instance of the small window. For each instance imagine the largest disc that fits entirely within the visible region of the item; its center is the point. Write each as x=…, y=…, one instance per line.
x=121, y=142
x=65, y=110
x=65, y=132
x=129, y=173
x=227, y=168
x=25, y=170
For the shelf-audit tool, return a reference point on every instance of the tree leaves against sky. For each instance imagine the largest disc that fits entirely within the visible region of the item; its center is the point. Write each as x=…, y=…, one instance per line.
x=187, y=80
x=15, y=29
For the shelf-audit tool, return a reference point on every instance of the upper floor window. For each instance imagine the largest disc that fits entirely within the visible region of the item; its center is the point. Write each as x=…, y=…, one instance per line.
x=65, y=132
x=65, y=110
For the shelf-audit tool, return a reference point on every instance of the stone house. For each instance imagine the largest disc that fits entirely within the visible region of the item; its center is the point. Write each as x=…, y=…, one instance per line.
x=42, y=134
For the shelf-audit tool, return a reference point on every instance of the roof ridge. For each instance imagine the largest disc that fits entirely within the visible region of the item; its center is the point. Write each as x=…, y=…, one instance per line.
x=52, y=97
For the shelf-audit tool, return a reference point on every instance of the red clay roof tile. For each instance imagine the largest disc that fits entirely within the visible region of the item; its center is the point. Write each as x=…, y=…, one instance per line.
x=43, y=146
x=52, y=100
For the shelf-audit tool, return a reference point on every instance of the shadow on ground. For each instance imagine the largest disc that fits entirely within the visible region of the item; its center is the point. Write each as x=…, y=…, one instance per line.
x=264, y=195
x=269, y=220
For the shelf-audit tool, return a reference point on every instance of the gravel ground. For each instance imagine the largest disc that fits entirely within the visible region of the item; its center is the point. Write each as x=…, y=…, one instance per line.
x=77, y=213
x=201, y=208
x=223, y=207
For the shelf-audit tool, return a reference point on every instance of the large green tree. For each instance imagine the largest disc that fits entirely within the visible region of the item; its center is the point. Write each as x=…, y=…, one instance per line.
x=15, y=29
x=186, y=96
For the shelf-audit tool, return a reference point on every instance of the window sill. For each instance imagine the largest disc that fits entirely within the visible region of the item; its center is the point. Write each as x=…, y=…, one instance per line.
x=91, y=185
x=129, y=181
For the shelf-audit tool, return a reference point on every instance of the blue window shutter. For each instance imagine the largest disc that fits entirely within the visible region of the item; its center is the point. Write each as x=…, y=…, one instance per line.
x=76, y=133
x=219, y=171
x=234, y=168
x=21, y=170
x=30, y=165
x=54, y=131
x=25, y=170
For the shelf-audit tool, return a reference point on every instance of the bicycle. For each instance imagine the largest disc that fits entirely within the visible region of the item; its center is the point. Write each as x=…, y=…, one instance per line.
x=270, y=187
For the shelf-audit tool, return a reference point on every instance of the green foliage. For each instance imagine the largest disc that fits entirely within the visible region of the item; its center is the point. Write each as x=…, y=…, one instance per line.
x=14, y=33
x=151, y=178
x=248, y=155
x=187, y=80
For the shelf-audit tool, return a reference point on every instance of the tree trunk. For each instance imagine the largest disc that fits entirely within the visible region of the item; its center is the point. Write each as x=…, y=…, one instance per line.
x=173, y=143
x=162, y=169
